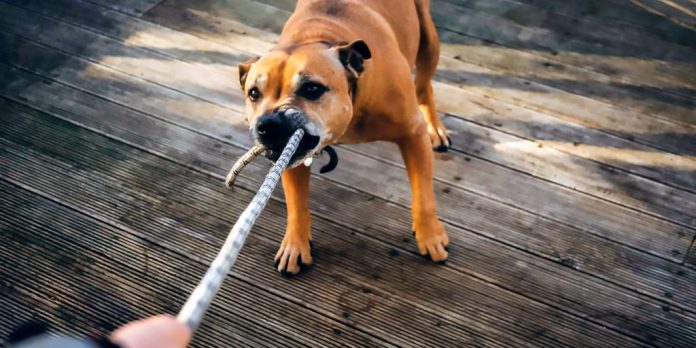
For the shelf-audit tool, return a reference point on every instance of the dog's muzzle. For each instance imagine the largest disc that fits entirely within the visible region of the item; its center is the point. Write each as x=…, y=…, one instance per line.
x=274, y=129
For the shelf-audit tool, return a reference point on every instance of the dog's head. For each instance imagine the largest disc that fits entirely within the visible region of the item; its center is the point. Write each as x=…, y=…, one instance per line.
x=308, y=86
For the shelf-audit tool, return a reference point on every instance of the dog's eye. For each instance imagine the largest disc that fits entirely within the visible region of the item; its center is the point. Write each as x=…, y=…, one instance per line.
x=254, y=94
x=311, y=91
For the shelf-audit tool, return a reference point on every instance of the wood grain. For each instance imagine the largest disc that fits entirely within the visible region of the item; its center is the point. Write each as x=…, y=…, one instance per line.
x=691, y=257
x=111, y=277
x=131, y=7
x=465, y=219
x=619, y=12
x=596, y=185
x=118, y=132
x=182, y=220
x=43, y=93
x=384, y=211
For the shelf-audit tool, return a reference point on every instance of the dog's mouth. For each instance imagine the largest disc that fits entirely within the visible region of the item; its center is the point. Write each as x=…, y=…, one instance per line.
x=305, y=149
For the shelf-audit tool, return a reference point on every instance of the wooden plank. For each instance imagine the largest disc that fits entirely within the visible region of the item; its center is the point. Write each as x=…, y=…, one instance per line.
x=584, y=27
x=364, y=207
x=620, y=12
x=231, y=17
x=19, y=308
x=452, y=210
x=539, y=73
x=419, y=280
x=594, y=184
x=587, y=176
x=557, y=241
x=691, y=257
x=189, y=230
x=542, y=78
x=120, y=277
x=131, y=7
x=596, y=146
x=681, y=12
x=521, y=29
x=220, y=88
x=217, y=124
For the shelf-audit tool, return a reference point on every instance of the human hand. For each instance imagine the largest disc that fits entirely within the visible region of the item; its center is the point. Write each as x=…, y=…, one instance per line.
x=162, y=331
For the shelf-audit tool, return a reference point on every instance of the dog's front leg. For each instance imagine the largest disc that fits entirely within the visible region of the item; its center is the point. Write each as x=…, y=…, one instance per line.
x=295, y=249
x=430, y=235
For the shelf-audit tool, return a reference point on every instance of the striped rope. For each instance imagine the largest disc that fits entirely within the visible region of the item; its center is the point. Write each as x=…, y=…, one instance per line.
x=199, y=301
x=241, y=163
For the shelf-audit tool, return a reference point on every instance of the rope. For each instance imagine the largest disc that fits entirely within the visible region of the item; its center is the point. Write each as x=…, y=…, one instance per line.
x=241, y=163
x=199, y=301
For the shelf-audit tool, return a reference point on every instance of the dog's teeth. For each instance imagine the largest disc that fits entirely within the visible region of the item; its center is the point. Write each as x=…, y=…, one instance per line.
x=308, y=161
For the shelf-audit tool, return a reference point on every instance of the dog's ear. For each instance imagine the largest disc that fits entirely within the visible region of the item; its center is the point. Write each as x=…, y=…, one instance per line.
x=244, y=70
x=354, y=55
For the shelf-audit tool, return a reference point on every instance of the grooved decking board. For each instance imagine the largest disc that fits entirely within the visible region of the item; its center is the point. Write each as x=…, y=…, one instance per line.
x=138, y=67
x=691, y=257
x=603, y=49
x=132, y=7
x=525, y=268
x=556, y=248
x=111, y=277
x=44, y=94
x=452, y=294
x=19, y=307
x=493, y=272
x=620, y=12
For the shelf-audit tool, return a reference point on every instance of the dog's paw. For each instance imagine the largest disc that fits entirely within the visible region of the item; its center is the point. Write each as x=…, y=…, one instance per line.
x=293, y=255
x=433, y=241
x=438, y=137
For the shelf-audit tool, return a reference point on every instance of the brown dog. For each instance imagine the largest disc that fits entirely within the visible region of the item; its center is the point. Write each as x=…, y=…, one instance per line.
x=342, y=71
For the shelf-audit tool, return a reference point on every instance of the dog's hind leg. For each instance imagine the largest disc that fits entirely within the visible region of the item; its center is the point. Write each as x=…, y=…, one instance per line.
x=426, y=65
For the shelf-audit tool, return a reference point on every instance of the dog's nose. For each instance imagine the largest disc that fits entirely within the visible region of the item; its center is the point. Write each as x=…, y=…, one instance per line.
x=269, y=124
x=274, y=127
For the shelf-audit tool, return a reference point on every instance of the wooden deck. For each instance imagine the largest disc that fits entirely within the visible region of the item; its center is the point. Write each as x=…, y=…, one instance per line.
x=569, y=195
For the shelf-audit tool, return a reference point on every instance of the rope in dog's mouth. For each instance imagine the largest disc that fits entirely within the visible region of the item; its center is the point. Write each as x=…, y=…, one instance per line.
x=255, y=151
